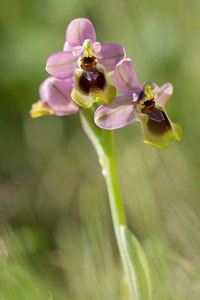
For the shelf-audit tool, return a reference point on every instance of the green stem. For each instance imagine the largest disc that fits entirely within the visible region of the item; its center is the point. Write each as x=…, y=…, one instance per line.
x=133, y=258
x=110, y=174
x=109, y=170
x=103, y=141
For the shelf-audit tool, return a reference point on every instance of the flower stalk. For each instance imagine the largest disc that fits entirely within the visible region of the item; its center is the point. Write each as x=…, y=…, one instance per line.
x=132, y=256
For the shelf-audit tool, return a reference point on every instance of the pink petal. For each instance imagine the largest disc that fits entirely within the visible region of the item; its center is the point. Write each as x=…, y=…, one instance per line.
x=61, y=64
x=56, y=93
x=110, y=55
x=80, y=30
x=125, y=78
x=163, y=93
x=117, y=114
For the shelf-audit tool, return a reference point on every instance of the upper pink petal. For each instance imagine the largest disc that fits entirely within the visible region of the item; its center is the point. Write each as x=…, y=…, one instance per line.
x=125, y=77
x=109, y=56
x=56, y=93
x=163, y=93
x=78, y=31
x=117, y=114
x=61, y=64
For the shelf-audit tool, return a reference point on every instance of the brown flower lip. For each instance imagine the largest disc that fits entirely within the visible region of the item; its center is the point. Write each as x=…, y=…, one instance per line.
x=90, y=81
x=158, y=121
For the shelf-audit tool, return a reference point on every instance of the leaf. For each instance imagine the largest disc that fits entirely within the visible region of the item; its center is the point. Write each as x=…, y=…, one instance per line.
x=136, y=266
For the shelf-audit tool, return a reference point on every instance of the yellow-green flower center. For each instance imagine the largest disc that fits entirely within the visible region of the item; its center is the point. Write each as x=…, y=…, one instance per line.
x=87, y=48
x=146, y=93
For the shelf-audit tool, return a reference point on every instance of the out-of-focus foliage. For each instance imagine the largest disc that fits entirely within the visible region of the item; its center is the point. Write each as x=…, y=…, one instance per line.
x=56, y=232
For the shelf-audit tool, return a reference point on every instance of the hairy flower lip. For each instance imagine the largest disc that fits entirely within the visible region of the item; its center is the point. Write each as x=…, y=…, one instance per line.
x=91, y=87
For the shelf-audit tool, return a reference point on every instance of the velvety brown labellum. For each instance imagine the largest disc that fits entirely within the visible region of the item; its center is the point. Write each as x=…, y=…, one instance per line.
x=91, y=81
x=158, y=122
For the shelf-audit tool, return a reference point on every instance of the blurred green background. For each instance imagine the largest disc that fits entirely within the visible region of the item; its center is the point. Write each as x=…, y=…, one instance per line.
x=55, y=226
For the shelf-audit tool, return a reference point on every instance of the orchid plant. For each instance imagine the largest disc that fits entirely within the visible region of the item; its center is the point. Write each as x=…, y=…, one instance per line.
x=79, y=81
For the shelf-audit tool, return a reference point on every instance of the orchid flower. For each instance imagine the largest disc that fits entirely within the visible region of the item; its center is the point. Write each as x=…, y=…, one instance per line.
x=144, y=103
x=79, y=79
x=88, y=61
x=55, y=98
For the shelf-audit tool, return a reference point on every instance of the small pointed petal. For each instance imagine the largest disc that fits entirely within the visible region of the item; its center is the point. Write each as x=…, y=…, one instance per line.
x=110, y=55
x=159, y=133
x=163, y=93
x=61, y=64
x=125, y=78
x=56, y=93
x=115, y=115
x=91, y=87
x=78, y=31
x=41, y=108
